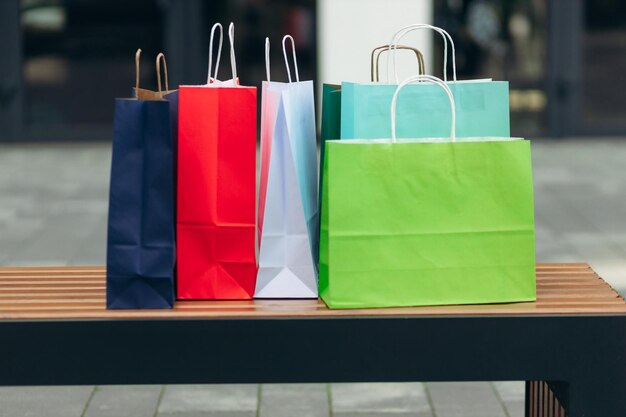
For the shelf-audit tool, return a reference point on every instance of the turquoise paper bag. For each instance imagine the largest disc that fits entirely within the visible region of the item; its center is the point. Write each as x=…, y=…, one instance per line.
x=482, y=106
x=482, y=109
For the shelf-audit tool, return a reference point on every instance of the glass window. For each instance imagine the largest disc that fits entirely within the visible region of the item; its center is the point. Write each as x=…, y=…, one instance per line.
x=503, y=40
x=604, y=65
x=78, y=56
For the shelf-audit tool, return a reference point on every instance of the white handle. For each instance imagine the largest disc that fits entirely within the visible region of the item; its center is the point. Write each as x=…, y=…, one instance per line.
x=295, y=61
x=233, y=62
x=219, y=52
x=267, y=58
x=446, y=37
x=426, y=78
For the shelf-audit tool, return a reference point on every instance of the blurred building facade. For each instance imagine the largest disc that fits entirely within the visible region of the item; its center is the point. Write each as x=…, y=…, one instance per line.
x=65, y=60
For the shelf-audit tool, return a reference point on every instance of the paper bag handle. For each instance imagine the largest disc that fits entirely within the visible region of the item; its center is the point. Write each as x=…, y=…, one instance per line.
x=161, y=57
x=295, y=61
x=267, y=58
x=137, y=58
x=219, y=52
x=446, y=37
x=377, y=52
x=233, y=62
x=429, y=79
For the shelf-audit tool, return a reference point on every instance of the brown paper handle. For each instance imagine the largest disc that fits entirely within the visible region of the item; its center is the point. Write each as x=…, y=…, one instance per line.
x=137, y=57
x=161, y=57
x=375, y=60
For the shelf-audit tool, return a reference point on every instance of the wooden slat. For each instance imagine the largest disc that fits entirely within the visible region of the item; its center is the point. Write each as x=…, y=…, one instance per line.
x=40, y=290
x=63, y=270
x=79, y=293
x=50, y=293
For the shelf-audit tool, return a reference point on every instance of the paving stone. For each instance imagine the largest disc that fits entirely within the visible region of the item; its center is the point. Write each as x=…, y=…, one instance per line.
x=288, y=400
x=379, y=414
x=515, y=408
x=210, y=414
x=209, y=398
x=465, y=399
x=124, y=401
x=43, y=401
x=379, y=398
x=613, y=271
x=512, y=394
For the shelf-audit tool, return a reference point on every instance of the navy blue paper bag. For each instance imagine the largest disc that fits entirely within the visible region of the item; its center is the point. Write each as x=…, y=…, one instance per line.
x=141, y=244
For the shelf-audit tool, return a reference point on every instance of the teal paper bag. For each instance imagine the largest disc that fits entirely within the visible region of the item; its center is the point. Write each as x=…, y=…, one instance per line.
x=482, y=106
x=331, y=112
x=331, y=118
x=482, y=109
x=427, y=221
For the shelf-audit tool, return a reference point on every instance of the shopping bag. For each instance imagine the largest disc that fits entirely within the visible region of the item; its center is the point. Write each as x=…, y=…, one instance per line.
x=140, y=240
x=288, y=209
x=216, y=228
x=427, y=221
x=482, y=106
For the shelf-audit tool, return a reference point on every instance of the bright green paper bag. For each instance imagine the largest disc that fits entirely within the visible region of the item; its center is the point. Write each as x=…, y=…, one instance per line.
x=427, y=221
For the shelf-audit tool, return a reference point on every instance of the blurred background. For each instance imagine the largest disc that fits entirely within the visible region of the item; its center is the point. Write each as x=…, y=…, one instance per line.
x=62, y=62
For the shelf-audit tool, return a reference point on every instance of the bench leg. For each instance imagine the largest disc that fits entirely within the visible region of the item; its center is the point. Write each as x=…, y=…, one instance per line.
x=541, y=401
x=593, y=397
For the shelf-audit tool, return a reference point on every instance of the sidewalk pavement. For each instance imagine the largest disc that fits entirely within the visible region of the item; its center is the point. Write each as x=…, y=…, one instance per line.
x=53, y=205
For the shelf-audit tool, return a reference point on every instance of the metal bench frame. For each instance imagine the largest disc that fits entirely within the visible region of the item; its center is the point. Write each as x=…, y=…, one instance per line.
x=581, y=357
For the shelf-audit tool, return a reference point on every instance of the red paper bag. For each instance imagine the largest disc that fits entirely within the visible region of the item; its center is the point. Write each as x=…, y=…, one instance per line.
x=216, y=230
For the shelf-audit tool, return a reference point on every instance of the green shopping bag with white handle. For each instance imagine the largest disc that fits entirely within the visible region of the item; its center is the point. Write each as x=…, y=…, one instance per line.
x=427, y=221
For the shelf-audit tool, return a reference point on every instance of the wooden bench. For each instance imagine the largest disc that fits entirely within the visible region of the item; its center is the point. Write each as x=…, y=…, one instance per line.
x=570, y=345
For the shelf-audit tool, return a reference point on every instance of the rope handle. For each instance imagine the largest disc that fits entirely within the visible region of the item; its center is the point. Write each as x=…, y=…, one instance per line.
x=267, y=58
x=432, y=80
x=219, y=52
x=295, y=61
x=446, y=37
x=137, y=59
x=377, y=52
x=233, y=62
x=161, y=57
